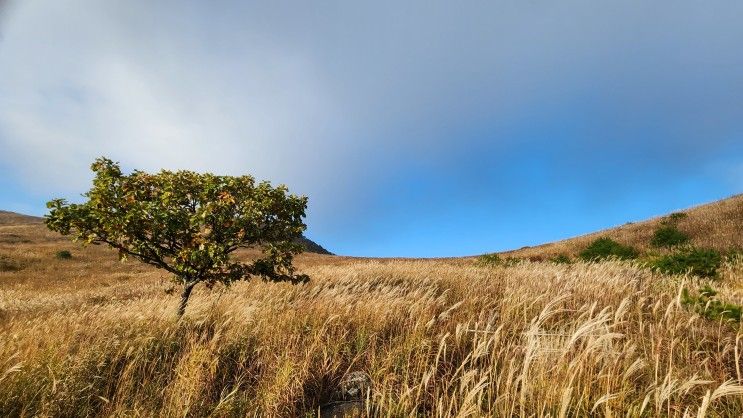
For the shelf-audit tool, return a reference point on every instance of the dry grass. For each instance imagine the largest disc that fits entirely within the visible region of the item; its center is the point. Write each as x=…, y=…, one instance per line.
x=717, y=225
x=94, y=337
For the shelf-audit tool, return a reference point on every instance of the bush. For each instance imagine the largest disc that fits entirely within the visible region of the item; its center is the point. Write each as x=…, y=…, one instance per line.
x=489, y=259
x=561, y=258
x=668, y=236
x=495, y=260
x=63, y=255
x=710, y=307
x=699, y=262
x=603, y=248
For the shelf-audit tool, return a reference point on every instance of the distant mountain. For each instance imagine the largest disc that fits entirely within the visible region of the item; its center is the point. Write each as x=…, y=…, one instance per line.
x=12, y=218
x=312, y=247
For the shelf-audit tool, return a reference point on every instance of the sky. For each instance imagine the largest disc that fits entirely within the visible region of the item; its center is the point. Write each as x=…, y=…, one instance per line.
x=418, y=128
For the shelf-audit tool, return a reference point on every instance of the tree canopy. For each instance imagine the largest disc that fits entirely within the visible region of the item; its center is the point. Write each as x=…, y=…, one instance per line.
x=188, y=223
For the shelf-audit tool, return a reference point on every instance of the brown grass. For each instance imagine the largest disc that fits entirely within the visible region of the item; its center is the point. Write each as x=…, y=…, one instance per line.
x=717, y=225
x=94, y=337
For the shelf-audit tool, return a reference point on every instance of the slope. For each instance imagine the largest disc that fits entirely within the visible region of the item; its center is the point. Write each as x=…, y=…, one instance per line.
x=717, y=225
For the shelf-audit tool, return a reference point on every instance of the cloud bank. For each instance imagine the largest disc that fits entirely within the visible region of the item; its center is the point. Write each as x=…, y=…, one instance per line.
x=412, y=127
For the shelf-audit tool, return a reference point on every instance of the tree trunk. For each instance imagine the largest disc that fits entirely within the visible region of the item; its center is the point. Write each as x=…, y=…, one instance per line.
x=187, y=288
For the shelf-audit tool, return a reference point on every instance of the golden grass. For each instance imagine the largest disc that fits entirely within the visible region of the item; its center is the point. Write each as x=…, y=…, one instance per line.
x=442, y=338
x=717, y=225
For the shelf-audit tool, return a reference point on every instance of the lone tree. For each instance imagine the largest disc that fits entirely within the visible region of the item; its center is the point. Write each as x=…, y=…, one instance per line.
x=188, y=223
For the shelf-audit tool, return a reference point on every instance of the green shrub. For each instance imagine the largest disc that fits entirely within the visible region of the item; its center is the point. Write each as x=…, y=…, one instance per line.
x=561, y=258
x=495, y=260
x=603, y=248
x=489, y=259
x=708, y=306
x=63, y=255
x=699, y=262
x=668, y=236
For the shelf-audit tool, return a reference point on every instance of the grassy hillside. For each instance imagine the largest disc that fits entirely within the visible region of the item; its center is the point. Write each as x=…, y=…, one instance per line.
x=12, y=218
x=90, y=336
x=717, y=225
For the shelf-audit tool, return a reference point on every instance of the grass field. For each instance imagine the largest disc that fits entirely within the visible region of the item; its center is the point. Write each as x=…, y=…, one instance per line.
x=90, y=336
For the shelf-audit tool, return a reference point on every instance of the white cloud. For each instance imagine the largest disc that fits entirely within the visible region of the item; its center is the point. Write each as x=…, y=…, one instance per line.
x=85, y=83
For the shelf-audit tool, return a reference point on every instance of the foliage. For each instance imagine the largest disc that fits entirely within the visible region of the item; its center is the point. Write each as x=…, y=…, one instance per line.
x=707, y=305
x=603, y=248
x=668, y=236
x=489, y=259
x=561, y=258
x=63, y=255
x=699, y=262
x=188, y=223
x=494, y=259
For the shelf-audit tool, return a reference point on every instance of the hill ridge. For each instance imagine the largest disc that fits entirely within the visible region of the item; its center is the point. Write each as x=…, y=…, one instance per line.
x=717, y=225
x=15, y=218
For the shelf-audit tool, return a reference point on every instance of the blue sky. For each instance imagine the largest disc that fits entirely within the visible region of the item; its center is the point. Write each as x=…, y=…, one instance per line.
x=420, y=128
